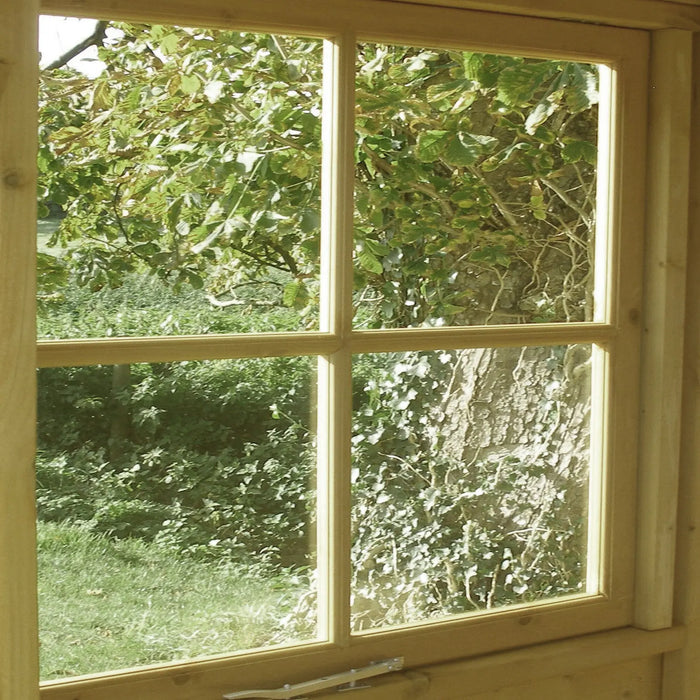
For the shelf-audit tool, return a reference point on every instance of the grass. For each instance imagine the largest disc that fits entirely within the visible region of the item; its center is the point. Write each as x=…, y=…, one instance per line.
x=107, y=604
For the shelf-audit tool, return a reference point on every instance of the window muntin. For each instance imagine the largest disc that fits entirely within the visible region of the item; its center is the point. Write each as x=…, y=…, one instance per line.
x=625, y=50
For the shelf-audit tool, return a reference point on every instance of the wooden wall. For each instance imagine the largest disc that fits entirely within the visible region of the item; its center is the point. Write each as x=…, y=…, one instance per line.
x=622, y=664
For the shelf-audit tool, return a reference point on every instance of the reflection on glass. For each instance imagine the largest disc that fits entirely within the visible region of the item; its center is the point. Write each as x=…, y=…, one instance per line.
x=179, y=186
x=470, y=481
x=474, y=188
x=176, y=506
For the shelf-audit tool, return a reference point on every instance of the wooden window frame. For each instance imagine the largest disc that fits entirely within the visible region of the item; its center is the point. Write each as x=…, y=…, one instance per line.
x=625, y=50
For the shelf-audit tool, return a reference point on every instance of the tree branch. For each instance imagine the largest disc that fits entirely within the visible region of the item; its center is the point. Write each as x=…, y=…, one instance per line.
x=237, y=302
x=568, y=201
x=500, y=204
x=95, y=39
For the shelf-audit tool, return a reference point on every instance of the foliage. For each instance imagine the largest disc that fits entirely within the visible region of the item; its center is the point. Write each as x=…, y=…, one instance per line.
x=216, y=457
x=433, y=535
x=195, y=155
x=474, y=187
x=143, y=306
x=191, y=156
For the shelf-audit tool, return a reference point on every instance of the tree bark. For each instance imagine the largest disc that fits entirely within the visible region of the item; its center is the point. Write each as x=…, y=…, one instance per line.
x=120, y=420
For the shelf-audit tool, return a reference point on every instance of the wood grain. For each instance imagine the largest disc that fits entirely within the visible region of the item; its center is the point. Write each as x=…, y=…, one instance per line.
x=18, y=79
x=667, y=219
x=681, y=678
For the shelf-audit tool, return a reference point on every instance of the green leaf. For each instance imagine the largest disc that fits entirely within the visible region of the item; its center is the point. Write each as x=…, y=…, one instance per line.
x=102, y=96
x=576, y=151
x=466, y=223
x=482, y=69
x=462, y=152
x=582, y=87
x=518, y=84
x=430, y=144
x=503, y=156
x=295, y=294
x=290, y=293
x=454, y=89
x=189, y=84
x=493, y=255
x=437, y=93
x=543, y=110
x=194, y=279
x=376, y=247
x=370, y=262
x=465, y=149
x=545, y=135
x=449, y=310
x=310, y=221
x=169, y=43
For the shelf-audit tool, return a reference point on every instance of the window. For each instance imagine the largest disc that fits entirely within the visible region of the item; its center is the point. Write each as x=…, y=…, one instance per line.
x=407, y=342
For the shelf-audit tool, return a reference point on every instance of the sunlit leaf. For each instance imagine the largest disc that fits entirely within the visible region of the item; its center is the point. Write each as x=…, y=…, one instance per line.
x=430, y=144
x=369, y=262
x=189, y=84
x=576, y=151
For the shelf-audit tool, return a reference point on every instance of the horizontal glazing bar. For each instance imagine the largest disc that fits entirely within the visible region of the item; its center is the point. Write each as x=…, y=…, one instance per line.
x=64, y=353
x=481, y=337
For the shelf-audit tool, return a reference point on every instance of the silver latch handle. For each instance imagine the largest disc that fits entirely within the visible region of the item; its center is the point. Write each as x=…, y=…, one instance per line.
x=348, y=679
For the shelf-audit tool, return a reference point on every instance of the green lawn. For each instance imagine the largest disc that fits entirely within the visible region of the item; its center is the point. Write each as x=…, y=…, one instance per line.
x=107, y=604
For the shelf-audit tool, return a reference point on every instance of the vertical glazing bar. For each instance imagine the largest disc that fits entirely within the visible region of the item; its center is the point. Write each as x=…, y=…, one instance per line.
x=604, y=292
x=335, y=377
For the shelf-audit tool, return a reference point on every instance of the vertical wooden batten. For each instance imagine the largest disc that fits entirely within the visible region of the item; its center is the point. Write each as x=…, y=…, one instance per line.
x=680, y=677
x=667, y=216
x=19, y=672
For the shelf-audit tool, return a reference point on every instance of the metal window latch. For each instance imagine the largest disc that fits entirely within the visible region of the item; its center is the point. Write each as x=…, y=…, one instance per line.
x=348, y=680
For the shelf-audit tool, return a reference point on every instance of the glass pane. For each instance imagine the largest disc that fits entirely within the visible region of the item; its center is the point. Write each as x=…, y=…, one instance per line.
x=179, y=183
x=470, y=481
x=475, y=188
x=176, y=511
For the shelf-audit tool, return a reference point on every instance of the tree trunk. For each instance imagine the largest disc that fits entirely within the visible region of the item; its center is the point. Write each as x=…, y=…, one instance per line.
x=120, y=419
x=473, y=483
x=526, y=403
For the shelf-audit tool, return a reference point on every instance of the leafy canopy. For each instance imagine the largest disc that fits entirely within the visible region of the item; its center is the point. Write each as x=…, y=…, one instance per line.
x=195, y=156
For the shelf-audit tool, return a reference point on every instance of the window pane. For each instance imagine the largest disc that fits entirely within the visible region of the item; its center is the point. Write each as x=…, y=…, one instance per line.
x=176, y=511
x=475, y=188
x=178, y=182
x=470, y=480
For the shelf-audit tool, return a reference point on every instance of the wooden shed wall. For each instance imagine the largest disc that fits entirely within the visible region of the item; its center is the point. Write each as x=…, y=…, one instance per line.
x=629, y=663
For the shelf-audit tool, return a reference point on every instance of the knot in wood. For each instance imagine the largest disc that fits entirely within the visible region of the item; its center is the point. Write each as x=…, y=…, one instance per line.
x=12, y=178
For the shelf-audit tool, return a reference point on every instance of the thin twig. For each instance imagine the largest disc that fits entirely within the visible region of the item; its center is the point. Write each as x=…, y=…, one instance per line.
x=95, y=39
